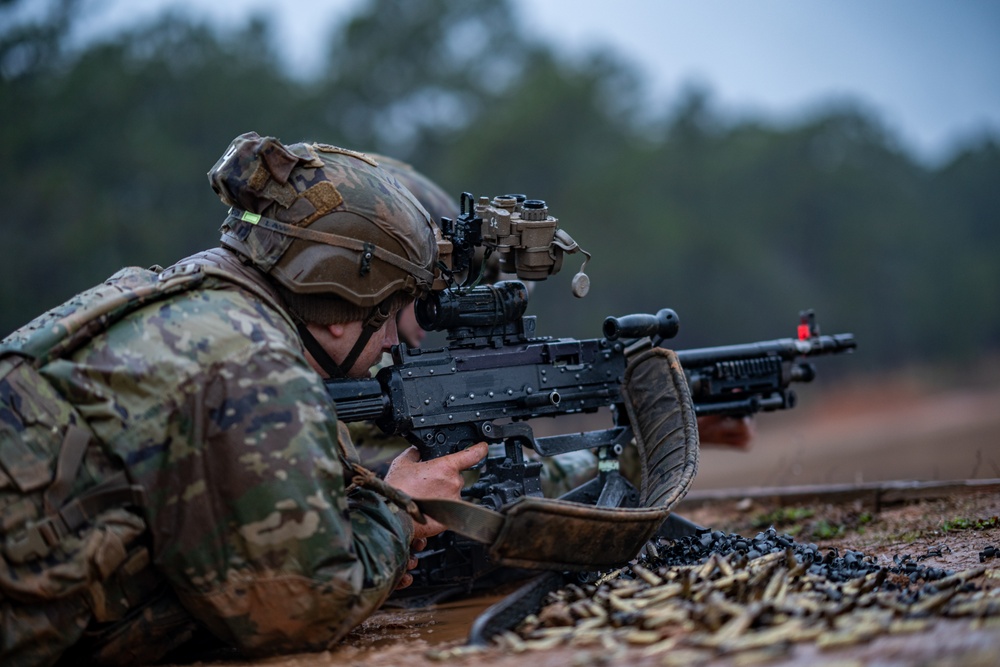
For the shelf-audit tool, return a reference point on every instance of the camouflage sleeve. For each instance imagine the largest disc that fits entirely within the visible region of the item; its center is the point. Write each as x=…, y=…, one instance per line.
x=252, y=524
x=376, y=450
x=564, y=472
x=211, y=406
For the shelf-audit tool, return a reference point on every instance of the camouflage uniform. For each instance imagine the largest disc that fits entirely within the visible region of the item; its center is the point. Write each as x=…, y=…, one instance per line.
x=239, y=518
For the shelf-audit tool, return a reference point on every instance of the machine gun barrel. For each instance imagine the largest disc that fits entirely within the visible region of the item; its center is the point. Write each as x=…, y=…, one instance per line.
x=745, y=379
x=782, y=347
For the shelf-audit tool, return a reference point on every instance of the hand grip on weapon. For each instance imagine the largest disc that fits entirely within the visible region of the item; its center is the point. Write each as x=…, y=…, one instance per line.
x=435, y=478
x=663, y=325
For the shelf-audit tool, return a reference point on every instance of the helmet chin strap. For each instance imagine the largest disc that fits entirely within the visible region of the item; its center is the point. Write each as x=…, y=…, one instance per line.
x=319, y=354
x=375, y=320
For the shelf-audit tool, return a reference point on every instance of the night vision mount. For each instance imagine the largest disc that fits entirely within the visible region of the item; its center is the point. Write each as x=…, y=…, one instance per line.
x=517, y=231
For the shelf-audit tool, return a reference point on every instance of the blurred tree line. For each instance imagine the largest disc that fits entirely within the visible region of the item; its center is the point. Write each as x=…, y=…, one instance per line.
x=736, y=224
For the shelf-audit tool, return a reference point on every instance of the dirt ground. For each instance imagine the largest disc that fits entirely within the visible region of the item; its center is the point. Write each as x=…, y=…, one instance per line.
x=857, y=438
x=897, y=429
x=958, y=527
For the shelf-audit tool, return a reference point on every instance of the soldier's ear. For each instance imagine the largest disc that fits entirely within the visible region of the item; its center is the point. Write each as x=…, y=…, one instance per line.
x=338, y=331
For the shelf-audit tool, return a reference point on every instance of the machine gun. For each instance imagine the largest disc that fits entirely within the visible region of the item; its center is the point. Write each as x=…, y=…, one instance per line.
x=494, y=375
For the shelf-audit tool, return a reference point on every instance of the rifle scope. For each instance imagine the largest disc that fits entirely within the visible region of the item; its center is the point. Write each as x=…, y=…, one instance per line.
x=483, y=306
x=664, y=324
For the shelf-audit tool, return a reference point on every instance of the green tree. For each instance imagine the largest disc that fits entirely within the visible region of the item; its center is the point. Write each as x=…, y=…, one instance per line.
x=402, y=74
x=107, y=152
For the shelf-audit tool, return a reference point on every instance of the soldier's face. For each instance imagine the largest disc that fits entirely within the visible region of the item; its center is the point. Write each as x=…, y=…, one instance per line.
x=380, y=342
x=338, y=340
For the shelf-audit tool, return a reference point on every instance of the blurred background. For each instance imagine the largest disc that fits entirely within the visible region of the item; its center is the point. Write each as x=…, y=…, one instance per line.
x=737, y=162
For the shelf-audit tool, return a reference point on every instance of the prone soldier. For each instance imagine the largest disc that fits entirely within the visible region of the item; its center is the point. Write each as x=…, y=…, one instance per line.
x=171, y=466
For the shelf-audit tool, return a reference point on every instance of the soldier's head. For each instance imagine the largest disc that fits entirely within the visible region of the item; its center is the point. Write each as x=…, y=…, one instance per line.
x=439, y=204
x=345, y=244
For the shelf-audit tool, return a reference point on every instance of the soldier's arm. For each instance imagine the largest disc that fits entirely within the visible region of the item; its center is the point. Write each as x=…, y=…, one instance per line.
x=257, y=533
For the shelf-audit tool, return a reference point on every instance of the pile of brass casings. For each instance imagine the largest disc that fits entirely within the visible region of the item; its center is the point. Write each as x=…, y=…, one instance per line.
x=733, y=606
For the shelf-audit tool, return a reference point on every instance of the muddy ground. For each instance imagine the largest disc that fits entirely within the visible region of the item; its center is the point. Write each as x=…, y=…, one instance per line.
x=857, y=438
x=867, y=431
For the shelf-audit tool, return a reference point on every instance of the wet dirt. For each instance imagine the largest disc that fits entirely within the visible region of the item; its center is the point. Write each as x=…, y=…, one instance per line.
x=866, y=434
x=446, y=622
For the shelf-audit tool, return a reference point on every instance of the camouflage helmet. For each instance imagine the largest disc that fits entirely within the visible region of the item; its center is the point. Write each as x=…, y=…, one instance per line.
x=440, y=205
x=327, y=224
x=430, y=195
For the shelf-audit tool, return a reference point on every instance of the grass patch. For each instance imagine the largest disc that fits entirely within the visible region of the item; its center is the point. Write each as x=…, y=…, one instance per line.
x=783, y=516
x=824, y=530
x=970, y=524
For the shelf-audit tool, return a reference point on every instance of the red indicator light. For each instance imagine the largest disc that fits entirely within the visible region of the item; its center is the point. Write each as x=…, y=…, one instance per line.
x=804, y=332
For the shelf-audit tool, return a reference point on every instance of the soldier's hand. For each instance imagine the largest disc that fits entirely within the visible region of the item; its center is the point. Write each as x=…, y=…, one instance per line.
x=437, y=478
x=418, y=544
x=724, y=430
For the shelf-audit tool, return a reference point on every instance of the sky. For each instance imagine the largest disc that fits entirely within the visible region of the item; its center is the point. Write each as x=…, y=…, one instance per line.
x=930, y=69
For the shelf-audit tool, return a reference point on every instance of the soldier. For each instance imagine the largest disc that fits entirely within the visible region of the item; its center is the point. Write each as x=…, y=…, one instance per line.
x=560, y=473
x=376, y=449
x=170, y=463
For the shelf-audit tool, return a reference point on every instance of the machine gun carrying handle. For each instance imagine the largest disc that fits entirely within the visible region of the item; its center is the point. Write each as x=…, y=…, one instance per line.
x=664, y=324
